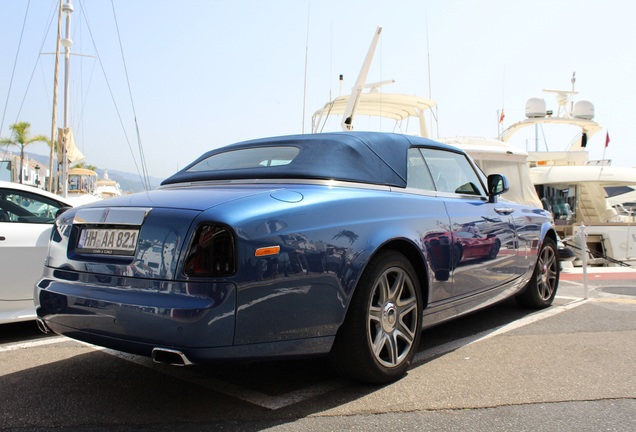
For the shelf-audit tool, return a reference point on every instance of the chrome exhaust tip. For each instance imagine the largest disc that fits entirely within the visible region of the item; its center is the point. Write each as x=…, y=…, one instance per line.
x=42, y=326
x=170, y=357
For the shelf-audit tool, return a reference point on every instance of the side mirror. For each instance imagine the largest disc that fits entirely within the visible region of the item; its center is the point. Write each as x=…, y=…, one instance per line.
x=497, y=184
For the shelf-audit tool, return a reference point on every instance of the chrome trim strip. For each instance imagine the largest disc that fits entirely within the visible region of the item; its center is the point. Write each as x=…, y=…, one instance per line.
x=112, y=215
x=287, y=182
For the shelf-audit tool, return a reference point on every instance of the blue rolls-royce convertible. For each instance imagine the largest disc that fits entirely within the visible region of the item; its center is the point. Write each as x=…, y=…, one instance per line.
x=340, y=244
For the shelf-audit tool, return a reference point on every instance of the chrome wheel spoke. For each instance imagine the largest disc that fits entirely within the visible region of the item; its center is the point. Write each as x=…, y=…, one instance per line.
x=546, y=279
x=406, y=334
x=407, y=322
x=375, y=314
x=544, y=290
x=384, y=348
x=406, y=305
x=383, y=290
x=393, y=317
x=395, y=291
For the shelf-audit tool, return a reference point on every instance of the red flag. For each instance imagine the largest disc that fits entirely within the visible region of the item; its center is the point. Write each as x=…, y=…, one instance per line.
x=501, y=117
x=607, y=140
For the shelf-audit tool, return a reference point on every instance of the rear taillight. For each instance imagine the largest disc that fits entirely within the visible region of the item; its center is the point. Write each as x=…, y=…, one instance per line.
x=212, y=252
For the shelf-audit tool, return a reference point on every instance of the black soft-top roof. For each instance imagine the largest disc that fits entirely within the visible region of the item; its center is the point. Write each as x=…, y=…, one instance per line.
x=364, y=157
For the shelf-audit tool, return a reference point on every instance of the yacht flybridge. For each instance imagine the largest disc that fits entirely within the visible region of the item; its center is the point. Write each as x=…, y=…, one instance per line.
x=400, y=108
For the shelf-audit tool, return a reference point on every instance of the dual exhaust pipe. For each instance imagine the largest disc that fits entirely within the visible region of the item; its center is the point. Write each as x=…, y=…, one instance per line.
x=159, y=355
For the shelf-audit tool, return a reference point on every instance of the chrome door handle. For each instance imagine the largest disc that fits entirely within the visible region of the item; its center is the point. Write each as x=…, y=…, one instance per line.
x=504, y=210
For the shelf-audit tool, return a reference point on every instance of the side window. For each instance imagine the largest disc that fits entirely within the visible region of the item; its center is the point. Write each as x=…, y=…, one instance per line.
x=452, y=172
x=418, y=175
x=25, y=207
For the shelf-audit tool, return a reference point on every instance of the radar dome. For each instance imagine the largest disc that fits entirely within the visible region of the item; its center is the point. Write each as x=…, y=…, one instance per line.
x=583, y=109
x=535, y=107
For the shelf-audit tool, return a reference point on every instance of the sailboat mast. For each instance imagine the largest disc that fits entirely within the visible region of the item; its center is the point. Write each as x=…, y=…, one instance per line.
x=55, y=86
x=67, y=8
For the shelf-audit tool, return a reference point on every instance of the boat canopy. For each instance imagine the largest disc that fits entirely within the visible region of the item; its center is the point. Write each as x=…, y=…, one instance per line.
x=590, y=127
x=394, y=106
x=82, y=172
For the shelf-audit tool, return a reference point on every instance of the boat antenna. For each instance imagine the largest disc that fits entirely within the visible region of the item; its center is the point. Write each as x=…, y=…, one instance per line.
x=501, y=115
x=305, y=80
x=428, y=65
x=330, y=57
x=573, y=80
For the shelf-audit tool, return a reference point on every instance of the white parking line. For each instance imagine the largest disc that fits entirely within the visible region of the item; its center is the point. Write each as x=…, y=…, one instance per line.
x=486, y=334
x=530, y=319
x=224, y=387
x=36, y=343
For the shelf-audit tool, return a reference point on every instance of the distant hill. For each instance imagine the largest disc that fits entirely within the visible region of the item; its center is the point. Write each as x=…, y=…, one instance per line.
x=129, y=182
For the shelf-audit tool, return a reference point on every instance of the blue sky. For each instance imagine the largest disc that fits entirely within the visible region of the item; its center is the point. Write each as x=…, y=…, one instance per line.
x=209, y=73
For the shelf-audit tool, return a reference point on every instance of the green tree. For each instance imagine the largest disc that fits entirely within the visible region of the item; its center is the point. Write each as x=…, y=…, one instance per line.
x=85, y=166
x=20, y=137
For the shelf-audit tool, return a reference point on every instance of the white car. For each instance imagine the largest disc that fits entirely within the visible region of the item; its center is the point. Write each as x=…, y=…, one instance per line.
x=26, y=218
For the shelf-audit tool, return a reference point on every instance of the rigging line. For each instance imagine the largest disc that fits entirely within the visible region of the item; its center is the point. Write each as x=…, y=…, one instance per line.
x=53, y=18
x=545, y=141
x=110, y=90
x=84, y=95
x=132, y=103
x=147, y=178
x=328, y=114
x=85, y=99
x=15, y=62
x=34, y=66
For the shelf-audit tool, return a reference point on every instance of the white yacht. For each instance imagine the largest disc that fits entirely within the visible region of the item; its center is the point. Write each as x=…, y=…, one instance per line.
x=579, y=191
x=106, y=187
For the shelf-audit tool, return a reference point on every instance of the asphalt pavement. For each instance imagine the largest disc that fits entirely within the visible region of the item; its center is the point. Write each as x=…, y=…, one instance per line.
x=571, y=367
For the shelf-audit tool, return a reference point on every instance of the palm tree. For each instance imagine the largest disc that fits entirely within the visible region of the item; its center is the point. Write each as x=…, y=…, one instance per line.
x=20, y=137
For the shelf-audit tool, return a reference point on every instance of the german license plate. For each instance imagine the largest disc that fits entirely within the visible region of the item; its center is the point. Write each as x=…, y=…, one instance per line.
x=108, y=241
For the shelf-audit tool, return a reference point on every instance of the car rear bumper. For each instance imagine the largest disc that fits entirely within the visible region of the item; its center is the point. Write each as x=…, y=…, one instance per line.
x=309, y=347
x=187, y=314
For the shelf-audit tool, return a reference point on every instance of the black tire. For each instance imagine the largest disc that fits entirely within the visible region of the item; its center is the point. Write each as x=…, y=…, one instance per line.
x=540, y=291
x=495, y=249
x=381, y=332
x=457, y=255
